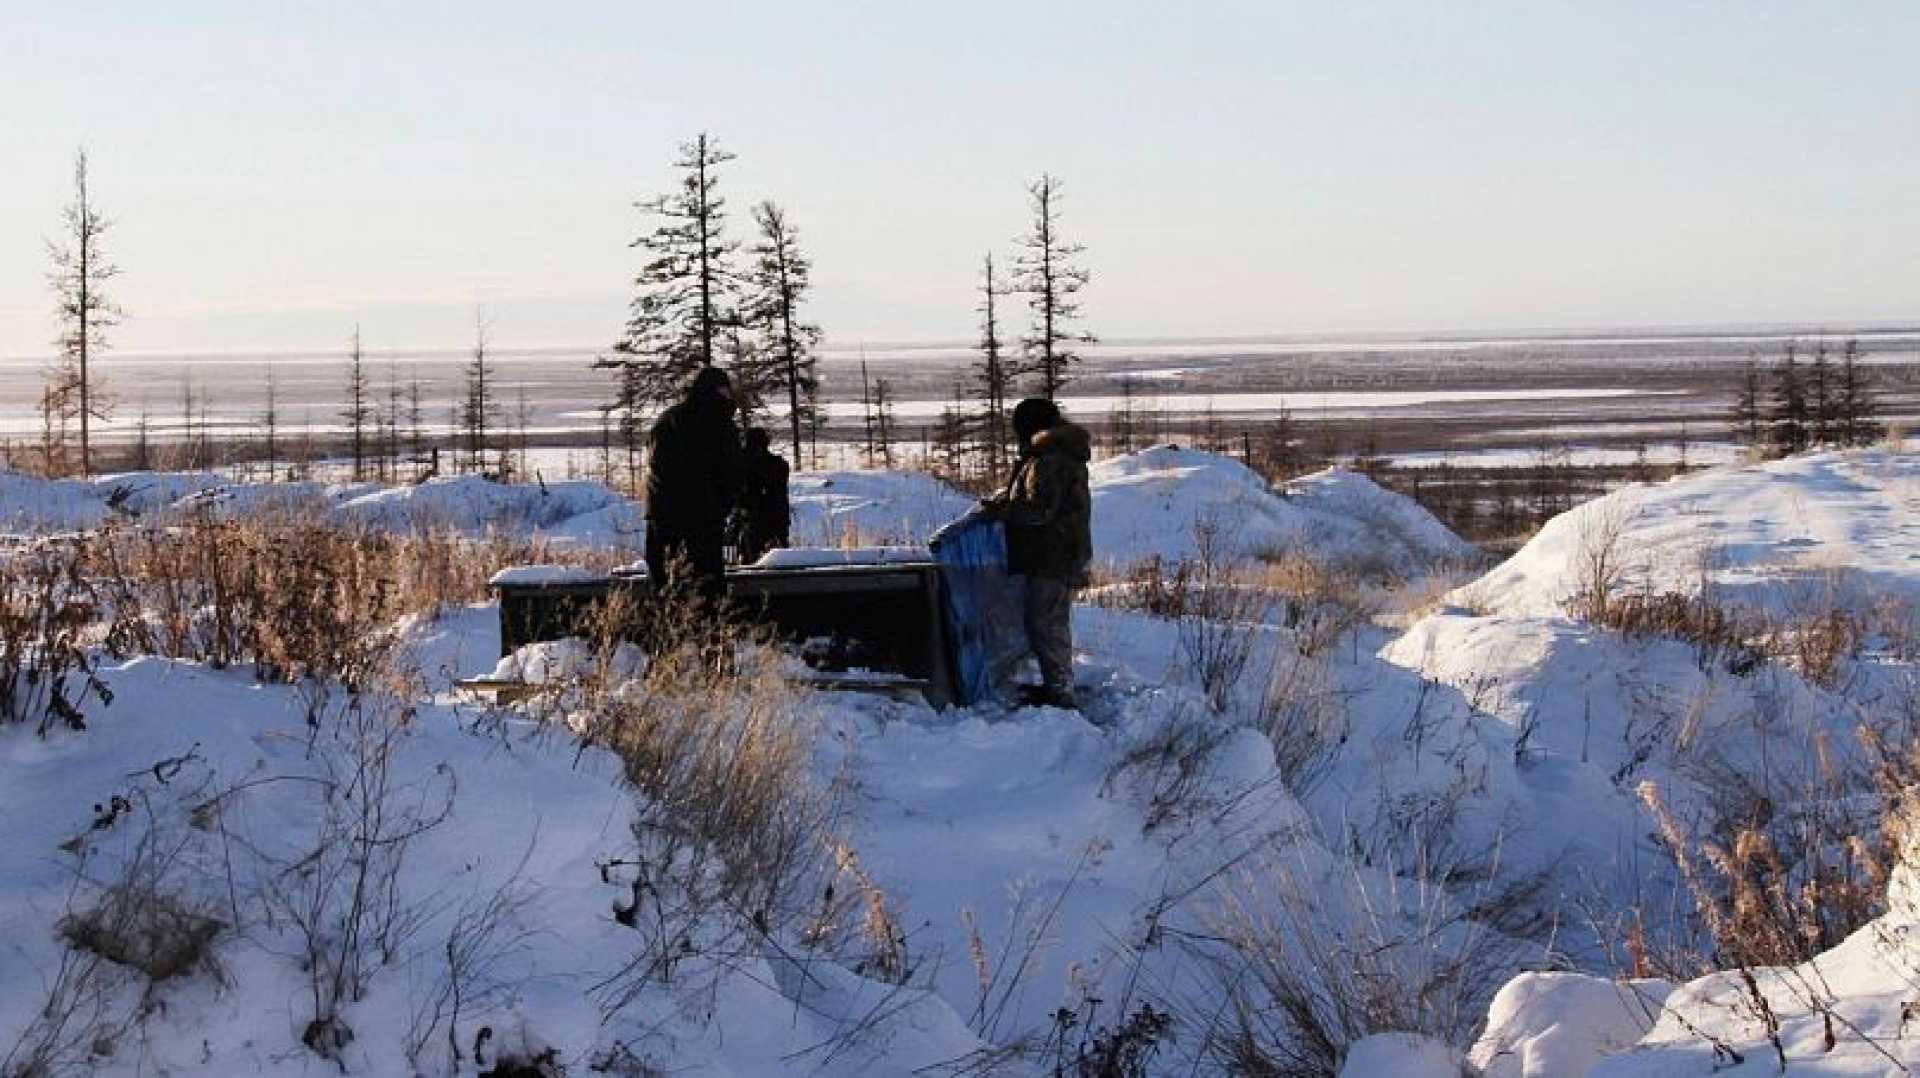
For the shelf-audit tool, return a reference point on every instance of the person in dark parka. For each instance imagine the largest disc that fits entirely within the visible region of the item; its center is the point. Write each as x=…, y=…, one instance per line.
x=1048, y=513
x=763, y=501
x=693, y=479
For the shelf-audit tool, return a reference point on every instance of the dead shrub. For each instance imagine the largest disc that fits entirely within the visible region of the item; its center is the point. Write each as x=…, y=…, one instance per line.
x=1721, y=636
x=1171, y=771
x=1320, y=602
x=1764, y=907
x=1151, y=586
x=47, y=606
x=125, y=933
x=147, y=930
x=300, y=597
x=1765, y=902
x=338, y=886
x=1305, y=716
x=1298, y=967
x=1600, y=561
x=733, y=837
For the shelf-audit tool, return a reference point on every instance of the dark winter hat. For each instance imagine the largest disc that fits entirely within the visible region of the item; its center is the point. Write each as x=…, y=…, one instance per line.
x=711, y=382
x=757, y=438
x=1033, y=415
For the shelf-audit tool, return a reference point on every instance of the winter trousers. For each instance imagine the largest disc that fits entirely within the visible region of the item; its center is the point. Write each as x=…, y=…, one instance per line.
x=699, y=556
x=1049, y=623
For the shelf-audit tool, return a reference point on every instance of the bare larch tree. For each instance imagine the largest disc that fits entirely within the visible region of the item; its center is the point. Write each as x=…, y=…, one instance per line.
x=993, y=376
x=80, y=272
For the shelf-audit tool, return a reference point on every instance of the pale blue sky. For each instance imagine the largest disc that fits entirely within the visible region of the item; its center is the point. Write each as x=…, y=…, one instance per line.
x=280, y=171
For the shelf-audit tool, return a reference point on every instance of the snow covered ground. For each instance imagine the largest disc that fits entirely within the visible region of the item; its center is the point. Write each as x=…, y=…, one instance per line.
x=1759, y=535
x=1150, y=503
x=1355, y=793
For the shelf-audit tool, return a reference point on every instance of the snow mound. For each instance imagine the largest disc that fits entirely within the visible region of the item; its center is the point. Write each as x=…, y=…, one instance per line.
x=1866, y=982
x=1626, y=709
x=1400, y=1055
x=1559, y=1025
x=870, y=508
x=526, y=833
x=1152, y=502
x=576, y=512
x=32, y=504
x=1766, y=536
x=475, y=505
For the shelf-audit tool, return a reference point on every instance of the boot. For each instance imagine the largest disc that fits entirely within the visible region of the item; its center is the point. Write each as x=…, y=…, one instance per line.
x=1047, y=696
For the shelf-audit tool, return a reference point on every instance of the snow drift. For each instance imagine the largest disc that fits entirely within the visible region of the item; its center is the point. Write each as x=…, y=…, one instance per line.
x=1149, y=503
x=1765, y=536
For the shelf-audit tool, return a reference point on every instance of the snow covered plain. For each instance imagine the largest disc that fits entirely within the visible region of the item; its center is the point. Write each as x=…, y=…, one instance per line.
x=1031, y=861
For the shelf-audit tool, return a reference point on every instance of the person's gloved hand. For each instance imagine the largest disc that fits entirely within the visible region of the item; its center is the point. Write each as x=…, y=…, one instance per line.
x=977, y=513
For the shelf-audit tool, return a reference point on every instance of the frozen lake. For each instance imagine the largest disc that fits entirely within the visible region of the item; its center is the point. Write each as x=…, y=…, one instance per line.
x=1412, y=394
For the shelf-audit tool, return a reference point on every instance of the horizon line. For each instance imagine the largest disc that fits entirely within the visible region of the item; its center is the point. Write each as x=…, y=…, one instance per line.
x=1888, y=326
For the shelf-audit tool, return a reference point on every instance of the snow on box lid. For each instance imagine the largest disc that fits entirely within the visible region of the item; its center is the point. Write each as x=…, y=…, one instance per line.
x=528, y=576
x=818, y=557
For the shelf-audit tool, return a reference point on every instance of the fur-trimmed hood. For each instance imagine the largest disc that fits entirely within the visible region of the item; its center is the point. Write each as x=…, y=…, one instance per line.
x=1065, y=437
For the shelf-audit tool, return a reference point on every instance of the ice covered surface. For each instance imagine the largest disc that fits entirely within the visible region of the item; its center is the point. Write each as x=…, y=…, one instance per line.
x=1763, y=535
x=817, y=557
x=1149, y=503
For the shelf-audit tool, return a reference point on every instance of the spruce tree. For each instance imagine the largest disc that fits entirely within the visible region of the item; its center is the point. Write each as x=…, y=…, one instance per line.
x=479, y=406
x=779, y=281
x=1747, y=415
x=630, y=406
x=357, y=409
x=143, y=442
x=1854, y=403
x=79, y=276
x=883, y=424
x=270, y=423
x=1820, y=396
x=416, y=427
x=1120, y=419
x=190, y=453
x=1045, y=271
x=390, y=424
x=993, y=377
x=866, y=410
x=684, y=294
x=1789, y=415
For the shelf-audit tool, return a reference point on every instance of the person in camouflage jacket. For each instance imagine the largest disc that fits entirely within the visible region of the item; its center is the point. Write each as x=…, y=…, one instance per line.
x=1048, y=514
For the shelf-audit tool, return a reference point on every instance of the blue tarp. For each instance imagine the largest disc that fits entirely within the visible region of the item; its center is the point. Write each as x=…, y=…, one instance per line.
x=983, y=604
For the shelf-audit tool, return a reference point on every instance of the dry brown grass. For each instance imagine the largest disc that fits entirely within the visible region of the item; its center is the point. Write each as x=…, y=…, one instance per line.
x=298, y=597
x=735, y=846
x=1299, y=963
x=48, y=605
